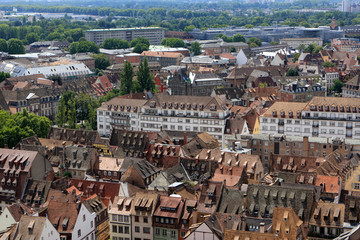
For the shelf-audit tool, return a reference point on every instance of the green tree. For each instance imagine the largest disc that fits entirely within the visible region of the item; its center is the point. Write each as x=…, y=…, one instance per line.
x=140, y=40
x=301, y=47
x=337, y=87
x=310, y=48
x=274, y=43
x=195, y=48
x=101, y=61
x=3, y=45
x=87, y=46
x=72, y=116
x=173, y=42
x=140, y=47
x=144, y=77
x=292, y=72
x=318, y=49
x=327, y=64
x=255, y=42
x=60, y=118
x=16, y=46
x=249, y=26
x=296, y=57
x=239, y=38
x=115, y=43
x=73, y=47
x=189, y=28
x=126, y=78
x=4, y=75
x=31, y=38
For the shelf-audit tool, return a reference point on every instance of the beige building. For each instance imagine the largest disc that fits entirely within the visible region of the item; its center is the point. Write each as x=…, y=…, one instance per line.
x=120, y=220
x=296, y=42
x=98, y=36
x=142, y=211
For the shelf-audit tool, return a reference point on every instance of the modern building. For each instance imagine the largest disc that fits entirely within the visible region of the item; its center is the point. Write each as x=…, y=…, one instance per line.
x=154, y=34
x=296, y=42
x=270, y=33
x=322, y=116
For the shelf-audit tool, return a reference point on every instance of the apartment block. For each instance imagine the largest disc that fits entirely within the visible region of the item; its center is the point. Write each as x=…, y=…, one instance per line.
x=119, y=113
x=184, y=113
x=323, y=116
x=154, y=34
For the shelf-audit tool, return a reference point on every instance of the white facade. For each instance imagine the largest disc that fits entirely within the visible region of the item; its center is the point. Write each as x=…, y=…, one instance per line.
x=6, y=219
x=49, y=232
x=85, y=225
x=203, y=232
x=64, y=71
x=184, y=121
x=241, y=58
x=327, y=124
x=330, y=77
x=119, y=113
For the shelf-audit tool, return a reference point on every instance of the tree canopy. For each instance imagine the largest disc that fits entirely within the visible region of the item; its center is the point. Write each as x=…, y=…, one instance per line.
x=21, y=125
x=83, y=46
x=195, y=48
x=115, y=43
x=173, y=42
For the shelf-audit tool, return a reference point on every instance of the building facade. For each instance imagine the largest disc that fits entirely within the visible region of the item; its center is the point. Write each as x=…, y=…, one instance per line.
x=323, y=116
x=154, y=34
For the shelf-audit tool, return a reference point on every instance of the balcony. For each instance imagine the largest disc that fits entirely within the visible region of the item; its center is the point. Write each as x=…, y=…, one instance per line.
x=349, y=126
x=315, y=133
x=315, y=125
x=281, y=123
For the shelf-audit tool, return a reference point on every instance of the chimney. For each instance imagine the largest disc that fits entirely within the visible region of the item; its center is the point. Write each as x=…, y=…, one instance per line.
x=262, y=227
x=185, y=138
x=117, y=162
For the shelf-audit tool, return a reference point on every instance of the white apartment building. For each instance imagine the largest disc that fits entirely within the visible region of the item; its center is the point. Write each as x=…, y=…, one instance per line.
x=185, y=114
x=120, y=219
x=119, y=113
x=164, y=112
x=154, y=34
x=321, y=117
x=331, y=74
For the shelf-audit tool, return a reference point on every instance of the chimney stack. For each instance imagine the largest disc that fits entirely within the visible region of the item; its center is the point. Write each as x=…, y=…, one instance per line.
x=185, y=138
x=262, y=227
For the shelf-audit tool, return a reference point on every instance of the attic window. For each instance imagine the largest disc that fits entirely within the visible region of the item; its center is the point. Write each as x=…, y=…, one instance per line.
x=152, y=104
x=201, y=107
x=169, y=105
x=282, y=114
x=291, y=114
x=274, y=113
x=313, y=107
x=176, y=105
x=212, y=108
x=320, y=108
x=298, y=114
x=341, y=108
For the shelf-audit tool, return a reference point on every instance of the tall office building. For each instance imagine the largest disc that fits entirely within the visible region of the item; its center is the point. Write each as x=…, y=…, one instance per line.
x=346, y=6
x=98, y=36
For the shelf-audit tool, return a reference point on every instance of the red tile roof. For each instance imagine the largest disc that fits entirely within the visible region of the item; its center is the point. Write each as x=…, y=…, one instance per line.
x=330, y=184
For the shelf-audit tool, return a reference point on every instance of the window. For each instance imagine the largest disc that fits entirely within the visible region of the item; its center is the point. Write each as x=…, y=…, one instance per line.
x=126, y=218
x=114, y=217
x=114, y=229
x=157, y=231
x=91, y=224
x=145, y=219
x=84, y=218
x=173, y=234
x=127, y=230
x=146, y=230
x=137, y=229
x=164, y=232
x=136, y=218
x=121, y=229
x=79, y=233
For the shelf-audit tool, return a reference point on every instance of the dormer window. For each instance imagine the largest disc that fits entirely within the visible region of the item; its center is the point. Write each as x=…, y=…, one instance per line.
x=298, y=114
x=163, y=105
x=170, y=105
x=326, y=108
x=341, y=108
x=291, y=114
x=353, y=109
x=274, y=113
x=152, y=104
x=320, y=108
x=312, y=107
x=201, y=107
x=194, y=106
x=182, y=106
x=212, y=108
x=348, y=109
x=176, y=105
x=282, y=114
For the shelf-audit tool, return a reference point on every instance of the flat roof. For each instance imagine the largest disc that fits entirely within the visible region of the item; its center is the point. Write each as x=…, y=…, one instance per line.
x=122, y=29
